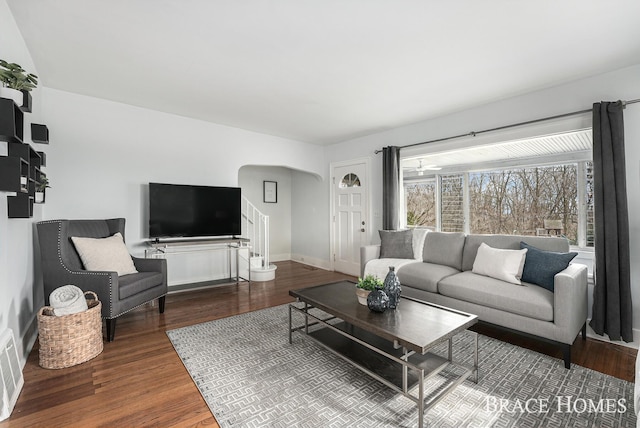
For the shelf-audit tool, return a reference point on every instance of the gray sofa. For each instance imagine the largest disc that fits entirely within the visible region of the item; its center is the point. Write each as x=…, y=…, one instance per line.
x=442, y=273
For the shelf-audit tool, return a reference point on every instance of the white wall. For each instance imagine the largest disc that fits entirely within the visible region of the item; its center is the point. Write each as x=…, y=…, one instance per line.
x=250, y=179
x=310, y=219
x=20, y=298
x=106, y=152
x=574, y=96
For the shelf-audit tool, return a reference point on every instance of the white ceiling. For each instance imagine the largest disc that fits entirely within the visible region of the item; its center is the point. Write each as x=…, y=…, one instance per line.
x=547, y=149
x=322, y=71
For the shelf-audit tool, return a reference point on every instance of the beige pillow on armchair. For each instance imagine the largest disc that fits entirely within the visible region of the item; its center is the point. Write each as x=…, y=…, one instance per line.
x=105, y=254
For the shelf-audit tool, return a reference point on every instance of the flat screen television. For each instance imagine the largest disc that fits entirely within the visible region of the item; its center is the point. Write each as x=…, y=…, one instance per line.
x=178, y=210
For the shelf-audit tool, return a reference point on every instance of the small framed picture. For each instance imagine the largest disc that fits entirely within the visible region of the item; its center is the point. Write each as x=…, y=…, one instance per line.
x=270, y=191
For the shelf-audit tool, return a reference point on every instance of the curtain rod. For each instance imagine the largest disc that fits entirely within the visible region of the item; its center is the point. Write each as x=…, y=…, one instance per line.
x=513, y=125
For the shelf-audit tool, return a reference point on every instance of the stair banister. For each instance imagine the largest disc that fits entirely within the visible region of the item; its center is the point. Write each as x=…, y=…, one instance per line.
x=255, y=227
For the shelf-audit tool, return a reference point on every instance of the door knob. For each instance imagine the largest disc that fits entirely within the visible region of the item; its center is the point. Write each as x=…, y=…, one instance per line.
x=362, y=230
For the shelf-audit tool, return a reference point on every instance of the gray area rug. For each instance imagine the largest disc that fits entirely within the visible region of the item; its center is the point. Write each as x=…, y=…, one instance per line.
x=250, y=376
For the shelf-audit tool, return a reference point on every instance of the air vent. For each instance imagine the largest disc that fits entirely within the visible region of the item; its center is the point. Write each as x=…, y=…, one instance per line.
x=12, y=380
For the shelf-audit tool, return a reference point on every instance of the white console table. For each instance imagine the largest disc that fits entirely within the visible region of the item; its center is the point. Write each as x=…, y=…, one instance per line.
x=161, y=248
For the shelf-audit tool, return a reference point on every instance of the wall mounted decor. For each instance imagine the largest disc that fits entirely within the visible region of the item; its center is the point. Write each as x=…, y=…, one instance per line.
x=39, y=133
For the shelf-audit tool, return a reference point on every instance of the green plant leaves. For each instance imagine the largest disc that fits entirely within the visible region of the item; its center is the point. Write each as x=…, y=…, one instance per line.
x=13, y=76
x=370, y=283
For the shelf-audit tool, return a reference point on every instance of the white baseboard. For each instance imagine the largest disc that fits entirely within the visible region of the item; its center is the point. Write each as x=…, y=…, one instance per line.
x=636, y=337
x=311, y=261
x=280, y=257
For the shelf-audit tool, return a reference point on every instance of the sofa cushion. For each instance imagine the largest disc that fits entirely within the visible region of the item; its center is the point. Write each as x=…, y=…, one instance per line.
x=396, y=244
x=541, y=267
x=508, y=242
x=529, y=300
x=380, y=267
x=444, y=248
x=424, y=276
x=506, y=265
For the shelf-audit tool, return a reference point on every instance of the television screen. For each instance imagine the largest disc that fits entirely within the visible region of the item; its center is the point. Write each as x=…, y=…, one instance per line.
x=178, y=210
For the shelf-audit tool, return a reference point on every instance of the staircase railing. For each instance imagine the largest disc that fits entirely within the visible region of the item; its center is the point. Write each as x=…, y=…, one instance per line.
x=255, y=227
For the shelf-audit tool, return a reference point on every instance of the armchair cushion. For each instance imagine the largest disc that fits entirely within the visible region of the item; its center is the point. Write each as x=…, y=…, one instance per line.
x=138, y=282
x=104, y=254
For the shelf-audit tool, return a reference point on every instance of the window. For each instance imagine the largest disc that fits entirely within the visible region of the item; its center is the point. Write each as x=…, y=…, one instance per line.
x=420, y=200
x=350, y=180
x=452, y=203
x=533, y=200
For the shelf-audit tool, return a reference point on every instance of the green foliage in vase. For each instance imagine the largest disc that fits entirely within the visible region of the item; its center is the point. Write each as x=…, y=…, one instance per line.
x=42, y=184
x=370, y=283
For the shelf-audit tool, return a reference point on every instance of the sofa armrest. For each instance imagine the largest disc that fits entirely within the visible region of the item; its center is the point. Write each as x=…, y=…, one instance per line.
x=368, y=252
x=570, y=301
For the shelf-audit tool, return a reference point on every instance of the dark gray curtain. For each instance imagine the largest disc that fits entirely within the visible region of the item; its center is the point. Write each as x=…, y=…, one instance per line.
x=612, y=310
x=391, y=188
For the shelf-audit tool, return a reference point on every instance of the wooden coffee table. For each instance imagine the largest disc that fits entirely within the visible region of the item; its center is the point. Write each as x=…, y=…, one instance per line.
x=392, y=347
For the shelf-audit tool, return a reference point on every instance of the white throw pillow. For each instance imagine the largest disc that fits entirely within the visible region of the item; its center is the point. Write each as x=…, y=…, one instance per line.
x=105, y=254
x=506, y=265
x=419, y=236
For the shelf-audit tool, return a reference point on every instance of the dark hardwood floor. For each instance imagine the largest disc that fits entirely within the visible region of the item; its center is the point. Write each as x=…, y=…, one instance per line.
x=139, y=380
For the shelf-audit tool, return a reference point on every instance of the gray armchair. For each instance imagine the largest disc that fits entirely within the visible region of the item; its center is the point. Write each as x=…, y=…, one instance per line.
x=61, y=265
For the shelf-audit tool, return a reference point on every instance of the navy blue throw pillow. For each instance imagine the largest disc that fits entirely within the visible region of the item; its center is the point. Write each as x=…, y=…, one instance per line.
x=540, y=267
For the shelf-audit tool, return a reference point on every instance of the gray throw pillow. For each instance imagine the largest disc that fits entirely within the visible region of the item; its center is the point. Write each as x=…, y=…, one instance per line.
x=444, y=248
x=541, y=267
x=396, y=244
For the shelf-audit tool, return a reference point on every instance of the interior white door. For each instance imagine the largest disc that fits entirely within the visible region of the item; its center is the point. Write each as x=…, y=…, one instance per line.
x=350, y=215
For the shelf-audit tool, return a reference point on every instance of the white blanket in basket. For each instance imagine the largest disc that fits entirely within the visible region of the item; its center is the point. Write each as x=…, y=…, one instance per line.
x=67, y=300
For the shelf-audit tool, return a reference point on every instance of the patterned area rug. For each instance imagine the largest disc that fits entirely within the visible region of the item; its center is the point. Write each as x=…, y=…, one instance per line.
x=250, y=376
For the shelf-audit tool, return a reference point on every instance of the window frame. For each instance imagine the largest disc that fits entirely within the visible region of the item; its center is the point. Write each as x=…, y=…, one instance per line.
x=580, y=159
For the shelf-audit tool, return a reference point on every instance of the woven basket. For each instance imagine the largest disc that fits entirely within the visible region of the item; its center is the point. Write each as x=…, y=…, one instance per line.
x=70, y=339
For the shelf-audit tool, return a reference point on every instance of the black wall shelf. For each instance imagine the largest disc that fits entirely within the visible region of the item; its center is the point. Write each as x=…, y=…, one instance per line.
x=11, y=121
x=20, y=206
x=20, y=169
x=26, y=101
x=39, y=133
x=14, y=174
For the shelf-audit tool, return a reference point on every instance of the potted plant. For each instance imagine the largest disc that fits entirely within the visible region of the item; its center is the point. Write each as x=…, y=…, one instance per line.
x=40, y=189
x=14, y=80
x=366, y=286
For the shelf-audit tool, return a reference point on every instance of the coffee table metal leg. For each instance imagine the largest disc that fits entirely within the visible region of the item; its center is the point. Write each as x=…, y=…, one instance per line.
x=405, y=371
x=306, y=318
x=290, y=326
x=421, y=398
x=475, y=358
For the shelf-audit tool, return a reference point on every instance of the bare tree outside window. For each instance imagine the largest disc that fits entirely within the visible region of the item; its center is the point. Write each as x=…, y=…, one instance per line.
x=518, y=201
x=539, y=200
x=421, y=204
